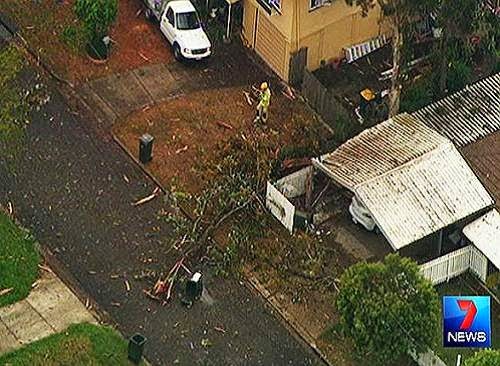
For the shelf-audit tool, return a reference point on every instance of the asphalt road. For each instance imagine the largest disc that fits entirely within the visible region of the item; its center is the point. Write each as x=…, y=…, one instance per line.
x=74, y=189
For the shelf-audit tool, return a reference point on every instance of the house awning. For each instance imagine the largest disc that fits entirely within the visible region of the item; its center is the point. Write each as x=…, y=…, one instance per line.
x=484, y=233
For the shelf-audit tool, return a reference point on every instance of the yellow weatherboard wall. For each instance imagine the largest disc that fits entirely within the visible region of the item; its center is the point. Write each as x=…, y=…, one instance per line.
x=325, y=31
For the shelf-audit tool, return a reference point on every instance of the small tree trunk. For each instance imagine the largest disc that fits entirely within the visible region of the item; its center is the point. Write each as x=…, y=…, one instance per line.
x=443, y=64
x=395, y=94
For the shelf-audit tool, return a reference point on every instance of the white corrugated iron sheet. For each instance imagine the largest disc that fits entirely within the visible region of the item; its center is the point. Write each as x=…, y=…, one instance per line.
x=484, y=233
x=380, y=149
x=468, y=115
x=412, y=180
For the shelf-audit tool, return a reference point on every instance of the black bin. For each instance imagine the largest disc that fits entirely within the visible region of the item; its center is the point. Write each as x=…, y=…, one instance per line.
x=146, y=148
x=194, y=287
x=136, y=348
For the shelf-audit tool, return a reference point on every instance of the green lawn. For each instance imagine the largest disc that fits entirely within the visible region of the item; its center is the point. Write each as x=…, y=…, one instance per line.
x=80, y=344
x=467, y=285
x=19, y=260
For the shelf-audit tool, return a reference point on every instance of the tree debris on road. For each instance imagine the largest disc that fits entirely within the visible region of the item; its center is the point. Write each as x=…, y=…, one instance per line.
x=147, y=198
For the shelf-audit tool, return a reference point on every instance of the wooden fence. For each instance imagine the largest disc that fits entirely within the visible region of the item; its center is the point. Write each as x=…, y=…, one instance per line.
x=322, y=100
x=455, y=263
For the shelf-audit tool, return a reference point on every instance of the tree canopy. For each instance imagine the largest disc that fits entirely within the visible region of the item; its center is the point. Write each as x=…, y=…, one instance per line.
x=388, y=309
x=487, y=357
x=97, y=15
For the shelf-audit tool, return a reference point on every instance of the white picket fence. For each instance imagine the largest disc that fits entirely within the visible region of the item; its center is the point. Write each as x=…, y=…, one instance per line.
x=455, y=263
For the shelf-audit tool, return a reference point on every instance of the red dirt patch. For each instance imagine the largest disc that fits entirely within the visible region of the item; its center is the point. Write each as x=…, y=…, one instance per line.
x=190, y=134
x=138, y=41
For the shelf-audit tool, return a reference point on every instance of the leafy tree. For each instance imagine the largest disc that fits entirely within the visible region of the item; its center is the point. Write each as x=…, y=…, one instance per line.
x=466, y=25
x=97, y=16
x=400, y=14
x=487, y=357
x=388, y=309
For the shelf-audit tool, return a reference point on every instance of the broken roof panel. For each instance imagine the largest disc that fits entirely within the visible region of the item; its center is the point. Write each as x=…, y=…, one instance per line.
x=379, y=150
x=484, y=233
x=467, y=115
x=412, y=180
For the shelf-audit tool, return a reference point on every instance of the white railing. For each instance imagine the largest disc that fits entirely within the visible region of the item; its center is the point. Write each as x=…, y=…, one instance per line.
x=455, y=263
x=478, y=263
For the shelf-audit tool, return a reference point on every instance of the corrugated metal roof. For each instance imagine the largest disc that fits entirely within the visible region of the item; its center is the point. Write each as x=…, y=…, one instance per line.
x=468, y=115
x=423, y=196
x=380, y=149
x=412, y=180
x=484, y=233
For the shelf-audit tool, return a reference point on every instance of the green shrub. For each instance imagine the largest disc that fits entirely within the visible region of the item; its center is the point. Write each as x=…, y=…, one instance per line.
x=97, y=16
x=487, y=357
x=459, y=75
x=344, y=128
x=416, y=96
x=388, y=309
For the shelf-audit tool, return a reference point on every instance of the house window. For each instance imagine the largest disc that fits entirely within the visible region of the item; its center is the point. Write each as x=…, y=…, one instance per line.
x=315, y=4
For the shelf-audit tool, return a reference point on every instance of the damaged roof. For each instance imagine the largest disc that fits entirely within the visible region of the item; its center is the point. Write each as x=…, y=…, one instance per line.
x=412, y=180
x=380, y=149
x=467, y=115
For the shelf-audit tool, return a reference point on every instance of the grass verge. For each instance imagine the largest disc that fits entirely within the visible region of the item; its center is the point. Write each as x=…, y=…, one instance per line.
x=19, y=260
x=80, y=344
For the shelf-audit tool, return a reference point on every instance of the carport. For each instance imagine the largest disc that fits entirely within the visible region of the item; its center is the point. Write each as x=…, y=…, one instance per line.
x=412, y=180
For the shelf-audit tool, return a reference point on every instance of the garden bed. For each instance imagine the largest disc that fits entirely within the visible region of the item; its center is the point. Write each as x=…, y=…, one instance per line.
x=53, y=32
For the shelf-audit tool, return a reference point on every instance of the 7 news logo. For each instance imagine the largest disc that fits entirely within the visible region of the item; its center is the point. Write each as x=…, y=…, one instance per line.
x=466, y=321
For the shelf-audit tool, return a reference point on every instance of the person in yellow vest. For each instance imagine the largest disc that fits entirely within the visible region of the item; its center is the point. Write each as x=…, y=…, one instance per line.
x=263, y=106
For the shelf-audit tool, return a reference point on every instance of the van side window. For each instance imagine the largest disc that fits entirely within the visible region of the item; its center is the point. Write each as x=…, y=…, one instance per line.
x=170, y=16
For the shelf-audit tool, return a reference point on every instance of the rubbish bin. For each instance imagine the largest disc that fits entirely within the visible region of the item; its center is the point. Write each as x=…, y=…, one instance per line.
x=194, y=287
x=146, y=148
x=136, y=348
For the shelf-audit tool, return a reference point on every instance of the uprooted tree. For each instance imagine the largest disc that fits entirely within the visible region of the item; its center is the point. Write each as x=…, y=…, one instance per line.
x=400, y=14
x=388, y=309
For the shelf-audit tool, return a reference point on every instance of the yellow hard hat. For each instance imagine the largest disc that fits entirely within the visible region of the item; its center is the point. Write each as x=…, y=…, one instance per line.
x=263, y=86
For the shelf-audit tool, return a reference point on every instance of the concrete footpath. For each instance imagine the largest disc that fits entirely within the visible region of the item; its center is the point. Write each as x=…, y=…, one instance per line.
x=50, y=308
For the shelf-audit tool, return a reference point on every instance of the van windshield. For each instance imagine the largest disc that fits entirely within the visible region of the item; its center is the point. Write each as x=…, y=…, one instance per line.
x=186, y=21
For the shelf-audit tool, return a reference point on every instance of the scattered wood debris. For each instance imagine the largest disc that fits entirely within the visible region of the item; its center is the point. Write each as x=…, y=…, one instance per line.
x=117, y=304
x=220, y=329
x=143, y=57
x=182, y=149
x=248, y=98
x=125, y=178
x=10, y=208
x=288, y=92
x=6, y=291
x=165, y=286
x=127, y=285
x=225, y=125
x=147, y=198
x=45, y=268
x=295, y=163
